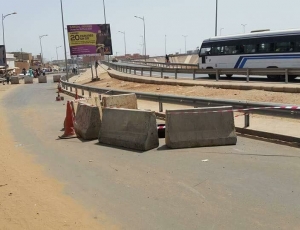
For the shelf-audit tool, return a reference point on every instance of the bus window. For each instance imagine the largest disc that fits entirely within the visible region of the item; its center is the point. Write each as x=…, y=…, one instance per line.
x=217, y=50
x=250, y=49
x=297, y=46
x=264, y=48
x=242, y=49
x=282, y=47
x=230, y=50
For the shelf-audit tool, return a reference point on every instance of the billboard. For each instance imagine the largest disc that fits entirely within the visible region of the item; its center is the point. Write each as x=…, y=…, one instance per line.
x=2, y=56
x=90, y=40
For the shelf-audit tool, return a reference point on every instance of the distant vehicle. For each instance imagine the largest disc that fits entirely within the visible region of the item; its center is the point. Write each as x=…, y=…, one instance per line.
x=27, y=74
x=114, y=60
x=278, y=49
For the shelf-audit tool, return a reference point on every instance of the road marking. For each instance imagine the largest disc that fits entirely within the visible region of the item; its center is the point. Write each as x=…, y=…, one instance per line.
x=190, y=189
x=238, y=150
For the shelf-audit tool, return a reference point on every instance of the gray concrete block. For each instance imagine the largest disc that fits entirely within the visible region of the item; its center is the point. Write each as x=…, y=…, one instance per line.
x=127, y=101
x=14, y=80
x=28, y=80
x=128, y=128
x=200, y=127
x=87, y=121
x=56, y=78
x=42, y=79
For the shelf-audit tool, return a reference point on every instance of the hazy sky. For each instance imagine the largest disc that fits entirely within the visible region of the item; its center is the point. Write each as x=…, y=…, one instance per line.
x=174, y=18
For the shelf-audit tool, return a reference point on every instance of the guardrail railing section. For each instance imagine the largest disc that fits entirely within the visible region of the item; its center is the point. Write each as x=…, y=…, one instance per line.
x=215, y=73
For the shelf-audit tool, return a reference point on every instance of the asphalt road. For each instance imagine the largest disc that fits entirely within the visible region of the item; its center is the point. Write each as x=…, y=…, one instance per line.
x=253, y=185
x=205, y=76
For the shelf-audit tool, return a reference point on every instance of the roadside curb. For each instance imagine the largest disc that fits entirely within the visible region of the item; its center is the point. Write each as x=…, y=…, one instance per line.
x=160, y=81
x=268, y=135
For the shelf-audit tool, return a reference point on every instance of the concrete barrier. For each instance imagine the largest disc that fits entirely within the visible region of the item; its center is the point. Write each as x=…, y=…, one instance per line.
x=134, y=129
x=127, y=101
x=87, y=121
x=56, y=78
x=95, y=101
x=14, y=80
x=42, y=79
x=200, y=127
x=28, y=80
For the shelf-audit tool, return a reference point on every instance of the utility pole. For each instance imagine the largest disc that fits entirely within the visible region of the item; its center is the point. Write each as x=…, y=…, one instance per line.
x=244, y=26
x=216, y=26
x=165, y=44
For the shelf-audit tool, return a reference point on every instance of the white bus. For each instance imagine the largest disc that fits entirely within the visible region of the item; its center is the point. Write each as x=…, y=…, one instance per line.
x=278, y=49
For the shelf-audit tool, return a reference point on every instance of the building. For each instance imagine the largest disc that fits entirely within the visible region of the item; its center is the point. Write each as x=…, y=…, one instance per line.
x=22, y=56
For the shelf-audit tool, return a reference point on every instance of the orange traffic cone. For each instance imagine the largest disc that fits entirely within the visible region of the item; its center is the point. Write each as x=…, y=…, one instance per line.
x=69, y=124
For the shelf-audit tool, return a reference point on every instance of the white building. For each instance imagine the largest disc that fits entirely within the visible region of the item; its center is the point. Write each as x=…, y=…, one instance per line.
x=10, y=60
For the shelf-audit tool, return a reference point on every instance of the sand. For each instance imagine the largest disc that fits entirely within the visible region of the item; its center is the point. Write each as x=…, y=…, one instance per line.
x=29, y=198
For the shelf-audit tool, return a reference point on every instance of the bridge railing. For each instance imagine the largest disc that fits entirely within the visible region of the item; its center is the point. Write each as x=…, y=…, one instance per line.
x=213, y=72
x=165, y=65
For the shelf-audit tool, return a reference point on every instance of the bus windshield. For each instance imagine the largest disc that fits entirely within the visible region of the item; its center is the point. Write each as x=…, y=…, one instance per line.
x=205, y=51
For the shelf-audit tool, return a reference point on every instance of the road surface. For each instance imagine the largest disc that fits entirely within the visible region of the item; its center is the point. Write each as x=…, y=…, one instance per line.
x=253, y=185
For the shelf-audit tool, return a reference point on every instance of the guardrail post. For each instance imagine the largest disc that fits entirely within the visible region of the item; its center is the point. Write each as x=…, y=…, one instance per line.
x=161, y=72
x=142, y=71
x=161, y=109
x=150, y=72
x=194, y=74
x=286, y=76
x=248, y=73
x=247, y=120
x=217, y=75
x=82, y=92
x=175, y=73
x=90, y=94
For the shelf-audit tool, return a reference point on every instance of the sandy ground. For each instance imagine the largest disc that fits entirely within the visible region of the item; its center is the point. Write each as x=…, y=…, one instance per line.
x=249, y=95
x=29, y=199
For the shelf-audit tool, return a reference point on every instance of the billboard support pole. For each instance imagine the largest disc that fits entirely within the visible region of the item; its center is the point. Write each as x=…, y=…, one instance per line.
x=96, y=70
x=63, y=28
x=92, y=68
x=106, y=30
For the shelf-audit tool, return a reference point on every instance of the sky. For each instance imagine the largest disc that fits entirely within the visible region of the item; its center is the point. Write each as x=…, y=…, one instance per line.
x=173, y=18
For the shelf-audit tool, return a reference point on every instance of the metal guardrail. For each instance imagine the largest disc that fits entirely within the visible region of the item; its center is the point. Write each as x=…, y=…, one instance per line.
x=165, y=65
x=192, y=101
x=215, y=72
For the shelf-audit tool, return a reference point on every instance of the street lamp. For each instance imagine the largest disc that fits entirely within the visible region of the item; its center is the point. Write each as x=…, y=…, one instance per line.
x=42, y=47
x=244, y=25
x=63, y=29
x=124, y=40
x=143, y=18
x=216, y=26
x=221, y=31
x=165, y=44
x=3, y=17
x=184, y=41
x=56, y=52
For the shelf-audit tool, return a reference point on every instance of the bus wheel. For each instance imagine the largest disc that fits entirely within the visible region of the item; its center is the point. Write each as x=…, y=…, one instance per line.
x=228, y=75
x=212, y=76
x=274, y=77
